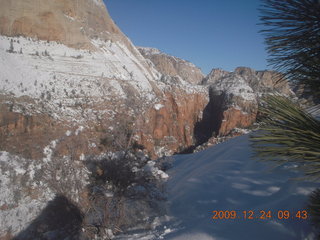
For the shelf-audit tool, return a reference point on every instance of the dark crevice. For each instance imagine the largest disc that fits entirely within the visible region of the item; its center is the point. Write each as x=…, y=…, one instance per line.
x=210, y=123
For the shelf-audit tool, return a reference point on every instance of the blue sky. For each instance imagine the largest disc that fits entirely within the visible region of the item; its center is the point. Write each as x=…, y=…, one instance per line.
x=209, y=33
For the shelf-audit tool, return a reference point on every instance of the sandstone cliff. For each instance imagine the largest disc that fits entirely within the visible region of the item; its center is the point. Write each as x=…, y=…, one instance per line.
x=234, y=98
x=65, y=64
x=172, y=66
x=70, y=22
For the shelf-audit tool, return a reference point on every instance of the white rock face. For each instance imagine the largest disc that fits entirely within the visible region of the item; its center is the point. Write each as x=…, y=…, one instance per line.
x=235, y=86
x=61, y=77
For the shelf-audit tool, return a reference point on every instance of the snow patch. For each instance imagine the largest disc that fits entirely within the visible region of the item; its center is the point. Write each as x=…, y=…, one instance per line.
x=158, y=106
x=48, y=151
x=150, y=167
x=79, y=130
x=68, y=133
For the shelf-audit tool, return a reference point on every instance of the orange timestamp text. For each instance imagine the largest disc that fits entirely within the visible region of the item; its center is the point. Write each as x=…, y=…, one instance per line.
x=259, y=214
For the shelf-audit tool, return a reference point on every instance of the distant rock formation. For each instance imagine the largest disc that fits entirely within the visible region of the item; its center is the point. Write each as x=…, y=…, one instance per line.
x=173, y=66
x=259, y=81
x=234, y=99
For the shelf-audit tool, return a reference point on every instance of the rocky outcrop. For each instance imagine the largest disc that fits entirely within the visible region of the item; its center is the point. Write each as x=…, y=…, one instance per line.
x=170, y=124
x=234, y=97
x=65, y=65
x=173, y=66
x=70, y=22
x=232, y=104
x=214, y=75
x=260, y=81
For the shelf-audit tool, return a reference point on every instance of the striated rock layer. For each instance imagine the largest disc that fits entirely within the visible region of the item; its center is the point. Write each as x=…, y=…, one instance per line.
x=70, y=22
x=172, y=66
x=66, y=64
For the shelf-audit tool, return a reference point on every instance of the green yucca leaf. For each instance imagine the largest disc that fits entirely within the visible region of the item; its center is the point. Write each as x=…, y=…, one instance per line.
x=288, y=134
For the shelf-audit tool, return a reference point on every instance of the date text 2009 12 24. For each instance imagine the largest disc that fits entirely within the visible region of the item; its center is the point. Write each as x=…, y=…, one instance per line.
x=260, y=214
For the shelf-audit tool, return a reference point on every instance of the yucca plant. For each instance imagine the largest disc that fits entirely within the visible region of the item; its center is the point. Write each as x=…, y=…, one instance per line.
x=292, y=35
x=288, y=134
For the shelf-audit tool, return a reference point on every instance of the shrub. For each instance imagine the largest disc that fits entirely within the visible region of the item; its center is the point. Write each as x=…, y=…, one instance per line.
x=11, y=48
x=122, y=183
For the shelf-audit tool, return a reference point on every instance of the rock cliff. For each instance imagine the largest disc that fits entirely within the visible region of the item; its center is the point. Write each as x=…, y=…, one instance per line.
x=234, y=98
x=259, y=81
x=70, y=22
x=173, y=66
x=72, y=85
x=65, y=64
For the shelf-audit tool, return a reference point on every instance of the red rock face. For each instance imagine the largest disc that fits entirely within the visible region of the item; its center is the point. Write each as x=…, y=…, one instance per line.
x=234, y=112
x=170, y=127
x=22, y=134
x=28, y=135
x=235, y=118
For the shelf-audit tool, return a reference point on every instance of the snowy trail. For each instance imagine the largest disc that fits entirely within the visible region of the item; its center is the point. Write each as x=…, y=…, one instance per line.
x=225, y=177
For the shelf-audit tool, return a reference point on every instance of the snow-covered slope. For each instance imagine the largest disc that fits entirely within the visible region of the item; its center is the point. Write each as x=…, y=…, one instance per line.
x=62, y=77
x=226, y=178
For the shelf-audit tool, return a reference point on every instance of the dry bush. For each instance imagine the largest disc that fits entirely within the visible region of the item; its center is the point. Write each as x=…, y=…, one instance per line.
x=124, y=191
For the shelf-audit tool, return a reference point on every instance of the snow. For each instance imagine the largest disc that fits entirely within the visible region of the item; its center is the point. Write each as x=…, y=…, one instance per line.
x=152, y=169
x=68, y=133
x=235, y=86
x=48, y=151
x=158, y=106
x=82, y=157
x=98, y=2
x=225, y=177
x=62, y=78
x=79, y=130
x=69, y=17
x=77, y=85
x=149, y=50
x=18, y=209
